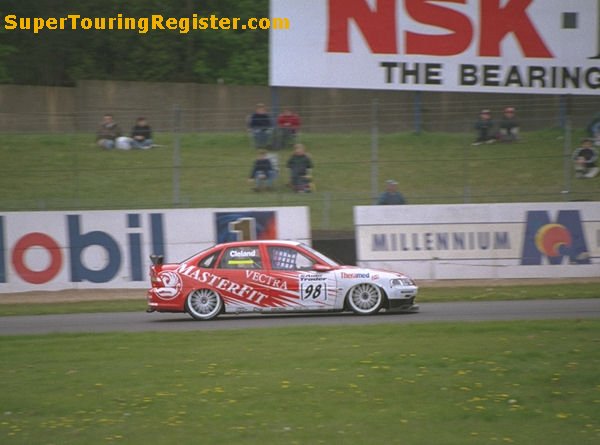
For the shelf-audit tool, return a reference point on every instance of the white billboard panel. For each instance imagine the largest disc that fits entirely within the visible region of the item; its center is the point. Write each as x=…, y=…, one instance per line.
x=507, y=46
x=537, y=240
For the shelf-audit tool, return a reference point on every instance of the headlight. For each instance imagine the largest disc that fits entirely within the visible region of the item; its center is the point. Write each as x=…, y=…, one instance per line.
x=401, y=282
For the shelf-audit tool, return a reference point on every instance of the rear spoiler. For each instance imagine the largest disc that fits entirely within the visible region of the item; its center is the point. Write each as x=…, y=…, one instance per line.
x=157, y=260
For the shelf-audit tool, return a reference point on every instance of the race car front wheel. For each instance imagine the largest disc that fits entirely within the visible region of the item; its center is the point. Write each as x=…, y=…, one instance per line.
x=203, y=304
x=365, y=299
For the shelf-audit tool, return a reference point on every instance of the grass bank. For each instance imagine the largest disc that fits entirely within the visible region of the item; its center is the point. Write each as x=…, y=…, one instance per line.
x=515, y=383
x=64, y=172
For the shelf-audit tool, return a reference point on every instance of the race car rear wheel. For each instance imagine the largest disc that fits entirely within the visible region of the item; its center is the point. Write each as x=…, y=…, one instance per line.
x=365, y=299
x=203, y=304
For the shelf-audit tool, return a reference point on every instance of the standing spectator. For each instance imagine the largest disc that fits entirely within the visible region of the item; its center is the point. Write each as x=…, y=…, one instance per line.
x=262, y=172
x=484, y=126
x=108, y=132
x=584, y=159
x=141, y=134
x=288, y=124
x=300, y=165
x=391, y=195
x=261, y=126
x=509, y=127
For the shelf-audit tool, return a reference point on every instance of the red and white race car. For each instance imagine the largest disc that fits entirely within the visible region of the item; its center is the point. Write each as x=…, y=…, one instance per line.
x=272, y=277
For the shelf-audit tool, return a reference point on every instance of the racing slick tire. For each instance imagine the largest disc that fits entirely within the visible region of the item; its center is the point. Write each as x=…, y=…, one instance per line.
x=203, y=304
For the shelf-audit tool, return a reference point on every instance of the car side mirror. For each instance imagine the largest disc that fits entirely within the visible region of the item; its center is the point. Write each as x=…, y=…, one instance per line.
x=321, y=268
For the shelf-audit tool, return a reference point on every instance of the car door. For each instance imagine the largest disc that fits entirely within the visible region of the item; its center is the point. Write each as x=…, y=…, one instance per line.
x=236, y=267
x=311, y=290
x=246, y=285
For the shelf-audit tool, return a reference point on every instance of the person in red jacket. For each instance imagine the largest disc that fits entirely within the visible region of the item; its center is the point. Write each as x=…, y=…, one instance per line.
x=288, y=125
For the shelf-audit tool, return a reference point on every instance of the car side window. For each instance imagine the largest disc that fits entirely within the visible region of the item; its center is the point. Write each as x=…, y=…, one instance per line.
x=287, y=258
x=209, y=261
x=246, y=257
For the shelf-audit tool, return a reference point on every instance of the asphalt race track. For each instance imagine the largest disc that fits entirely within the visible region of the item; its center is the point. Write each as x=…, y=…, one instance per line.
x=430, y=312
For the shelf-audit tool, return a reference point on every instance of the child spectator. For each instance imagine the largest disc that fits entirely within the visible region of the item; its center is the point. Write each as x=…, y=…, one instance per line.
x=262, y=172
x=300, y=166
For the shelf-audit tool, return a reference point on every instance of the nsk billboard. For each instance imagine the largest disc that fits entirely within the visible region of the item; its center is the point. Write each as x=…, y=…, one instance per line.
x=508, y=46
x=111, y=249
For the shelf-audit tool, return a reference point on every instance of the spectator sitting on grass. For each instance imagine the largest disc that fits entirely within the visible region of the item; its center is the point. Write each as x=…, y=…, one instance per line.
x=509, y=127
x=261, y=126
x=262, y=172
x=584, y=159
x=484, y=126
x=300, y=165
x=593, y=129
x=108, y=132
x=288, y=124
x=141, y=134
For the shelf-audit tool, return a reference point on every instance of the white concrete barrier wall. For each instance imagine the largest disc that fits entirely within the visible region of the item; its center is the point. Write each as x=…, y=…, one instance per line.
x=536, y=240
x=110, y=249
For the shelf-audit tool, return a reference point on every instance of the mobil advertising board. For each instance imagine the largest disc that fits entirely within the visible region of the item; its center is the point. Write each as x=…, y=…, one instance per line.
x=111, y=249
x=537, y=240
x=502, y=46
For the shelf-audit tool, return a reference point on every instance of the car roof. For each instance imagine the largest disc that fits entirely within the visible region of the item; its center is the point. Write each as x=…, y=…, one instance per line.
x=263, y=242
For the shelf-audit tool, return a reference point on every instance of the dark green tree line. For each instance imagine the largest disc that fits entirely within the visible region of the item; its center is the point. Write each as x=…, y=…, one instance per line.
x=55, y=57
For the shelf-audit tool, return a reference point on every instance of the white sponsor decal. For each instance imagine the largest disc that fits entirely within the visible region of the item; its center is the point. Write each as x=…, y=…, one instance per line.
x=313, y=287
x=240, y=290
x=355, y=275
x=267, y=280
x=243, y=253
x=171, y=285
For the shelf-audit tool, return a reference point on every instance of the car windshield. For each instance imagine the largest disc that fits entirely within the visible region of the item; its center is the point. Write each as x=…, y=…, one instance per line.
x=320, y=256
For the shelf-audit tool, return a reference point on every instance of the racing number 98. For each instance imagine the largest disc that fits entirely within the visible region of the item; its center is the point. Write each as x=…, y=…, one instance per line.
x=312, y=291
